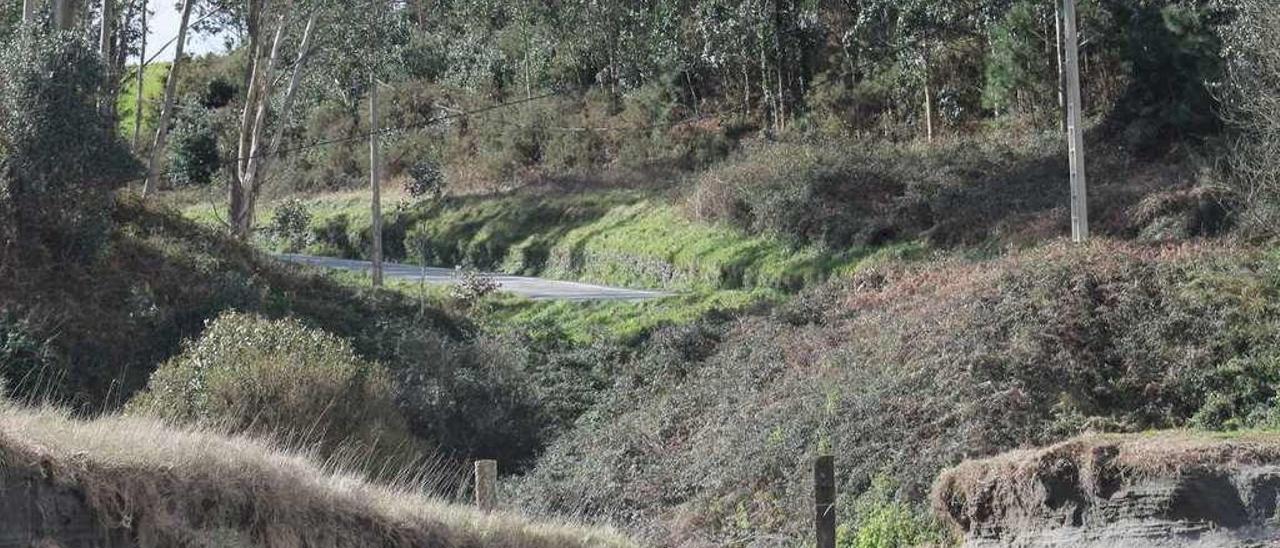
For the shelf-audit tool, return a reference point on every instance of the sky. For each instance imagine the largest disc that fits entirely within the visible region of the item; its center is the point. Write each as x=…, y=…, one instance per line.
x=164, y=26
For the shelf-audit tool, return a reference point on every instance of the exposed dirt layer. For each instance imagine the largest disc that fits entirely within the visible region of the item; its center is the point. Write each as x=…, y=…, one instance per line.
x=1167, y=489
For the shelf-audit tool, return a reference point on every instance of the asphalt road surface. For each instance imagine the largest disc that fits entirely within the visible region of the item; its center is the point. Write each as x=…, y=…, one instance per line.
x=533, y=288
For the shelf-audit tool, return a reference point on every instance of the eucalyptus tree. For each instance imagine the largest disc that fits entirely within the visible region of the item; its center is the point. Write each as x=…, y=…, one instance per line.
x=166, y=109
x=256, y=143
x=371, y=53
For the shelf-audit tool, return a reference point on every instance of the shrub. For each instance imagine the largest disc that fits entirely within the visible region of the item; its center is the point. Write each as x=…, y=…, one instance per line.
x=332, y=237
x=1252, y=107
x=883, y=521
x=279, y=377
x=29, y=363
x=802, y=193
x=470, y=286
x=476, y=399
x=425, y=180
x=218, y=93
x=193, y=149
x=291, y=224
x=908, y=368
x=60, y=159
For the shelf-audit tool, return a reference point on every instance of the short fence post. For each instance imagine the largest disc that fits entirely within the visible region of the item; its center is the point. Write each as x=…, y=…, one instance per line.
x=824, y=500
x=486, y=484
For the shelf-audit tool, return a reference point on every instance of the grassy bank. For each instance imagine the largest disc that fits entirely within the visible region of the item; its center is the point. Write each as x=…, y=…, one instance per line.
x=152, y=93
x=136, y=479
x=625, y=238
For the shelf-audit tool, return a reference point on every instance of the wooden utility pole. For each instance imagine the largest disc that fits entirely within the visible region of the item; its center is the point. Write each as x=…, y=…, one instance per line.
x=375, y=182
x=487, y=484
x=824, y=501
x=1075, y=129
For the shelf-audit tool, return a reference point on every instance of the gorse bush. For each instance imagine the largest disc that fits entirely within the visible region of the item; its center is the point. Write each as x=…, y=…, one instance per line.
x=251, y=374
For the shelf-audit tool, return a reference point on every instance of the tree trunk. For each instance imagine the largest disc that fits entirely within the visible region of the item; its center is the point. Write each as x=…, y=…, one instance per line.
x=106, y=97
x=28, y=11
x=249, y=180
x=166, y=112
x=142, y=74
x=64, y=14
x=928, y=102
x=1062, y=73
x=375, y=183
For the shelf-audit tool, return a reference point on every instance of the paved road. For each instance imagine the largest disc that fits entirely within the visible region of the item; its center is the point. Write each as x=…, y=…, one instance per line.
x=533, y=288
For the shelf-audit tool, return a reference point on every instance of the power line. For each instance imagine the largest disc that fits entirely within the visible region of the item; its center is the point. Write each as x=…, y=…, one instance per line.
x=359, y=136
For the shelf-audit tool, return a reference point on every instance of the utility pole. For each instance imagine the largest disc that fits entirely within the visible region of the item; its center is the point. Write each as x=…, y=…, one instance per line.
x=1075, y=131
x=375, y=181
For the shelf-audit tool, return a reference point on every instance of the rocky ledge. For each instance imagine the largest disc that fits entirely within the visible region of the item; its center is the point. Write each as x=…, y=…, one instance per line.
x=1166, y=489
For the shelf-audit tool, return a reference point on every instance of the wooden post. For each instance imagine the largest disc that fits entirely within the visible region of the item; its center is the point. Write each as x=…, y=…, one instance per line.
x=1075, y=130
x=487, y=484
x=375, y=184
x=824, y=500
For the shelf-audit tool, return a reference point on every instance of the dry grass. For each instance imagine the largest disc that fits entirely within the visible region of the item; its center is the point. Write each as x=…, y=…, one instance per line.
x=169, y=487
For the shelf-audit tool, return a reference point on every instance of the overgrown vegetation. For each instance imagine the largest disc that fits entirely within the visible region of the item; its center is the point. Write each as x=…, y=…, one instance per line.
x=858, y=202
x=279, y=378
x=708, y=432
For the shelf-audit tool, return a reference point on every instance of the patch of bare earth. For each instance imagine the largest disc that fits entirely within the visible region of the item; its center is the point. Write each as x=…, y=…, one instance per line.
x=1165, y=489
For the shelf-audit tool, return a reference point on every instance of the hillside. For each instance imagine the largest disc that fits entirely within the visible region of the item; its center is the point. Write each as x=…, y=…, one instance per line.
x=901, y=370
x=133, y=482
x=863, y=215
x=89, y=332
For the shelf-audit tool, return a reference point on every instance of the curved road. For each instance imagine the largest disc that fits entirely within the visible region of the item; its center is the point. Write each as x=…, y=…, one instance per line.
x=533, y=288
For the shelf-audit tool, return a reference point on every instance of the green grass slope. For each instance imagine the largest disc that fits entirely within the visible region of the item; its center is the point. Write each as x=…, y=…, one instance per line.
x=152, y=93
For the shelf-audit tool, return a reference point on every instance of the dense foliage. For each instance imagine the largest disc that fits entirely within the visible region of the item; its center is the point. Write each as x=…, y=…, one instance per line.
x=707, y=434
x=280, y=378
x=59, y=158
